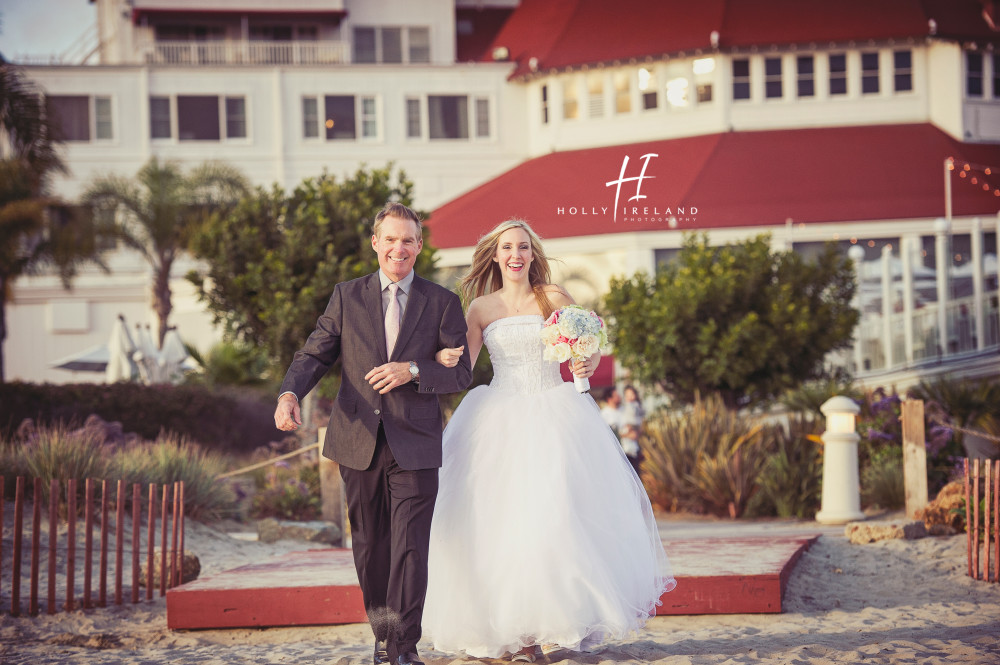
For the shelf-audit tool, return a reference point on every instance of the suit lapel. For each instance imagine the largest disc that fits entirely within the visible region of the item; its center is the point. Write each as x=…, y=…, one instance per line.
x=373, y=303
x=415, y=303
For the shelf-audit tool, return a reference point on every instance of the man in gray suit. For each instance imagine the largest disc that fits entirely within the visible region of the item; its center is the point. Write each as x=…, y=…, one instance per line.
x=385, y=430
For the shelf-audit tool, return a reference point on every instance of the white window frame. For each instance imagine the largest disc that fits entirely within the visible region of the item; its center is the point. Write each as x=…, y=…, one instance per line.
x=220, y=98
x=317, y=125
x=405, y=46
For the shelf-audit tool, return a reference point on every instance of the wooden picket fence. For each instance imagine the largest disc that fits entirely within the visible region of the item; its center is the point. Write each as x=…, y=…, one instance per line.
x=989, y=521
x=171, y=513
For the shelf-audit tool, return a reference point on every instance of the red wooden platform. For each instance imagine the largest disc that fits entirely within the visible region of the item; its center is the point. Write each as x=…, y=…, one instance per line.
x=714, y=576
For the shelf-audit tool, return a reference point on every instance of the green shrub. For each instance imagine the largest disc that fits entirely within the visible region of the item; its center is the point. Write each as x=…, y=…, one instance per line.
x=288, y=492
x=56, y=453
x=791, y=480
x=706, y=459
x=237, y=421
x=882, y=480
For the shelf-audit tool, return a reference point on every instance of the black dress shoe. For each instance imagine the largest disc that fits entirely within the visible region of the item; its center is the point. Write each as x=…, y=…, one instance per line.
x=381, y=655
x=409, y=659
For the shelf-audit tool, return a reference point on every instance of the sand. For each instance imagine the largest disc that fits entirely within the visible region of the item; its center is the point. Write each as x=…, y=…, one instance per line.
x=888, y=602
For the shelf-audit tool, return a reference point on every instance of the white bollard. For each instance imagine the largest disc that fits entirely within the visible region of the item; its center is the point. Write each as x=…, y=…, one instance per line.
x=841, y=501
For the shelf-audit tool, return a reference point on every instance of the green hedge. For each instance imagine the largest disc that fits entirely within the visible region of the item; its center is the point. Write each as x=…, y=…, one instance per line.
x=217, y=419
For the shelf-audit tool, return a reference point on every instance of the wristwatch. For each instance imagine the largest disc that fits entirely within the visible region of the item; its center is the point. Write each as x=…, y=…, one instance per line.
x=414, y=372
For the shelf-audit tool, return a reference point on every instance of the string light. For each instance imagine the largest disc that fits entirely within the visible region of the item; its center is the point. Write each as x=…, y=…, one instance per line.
x=975, y=174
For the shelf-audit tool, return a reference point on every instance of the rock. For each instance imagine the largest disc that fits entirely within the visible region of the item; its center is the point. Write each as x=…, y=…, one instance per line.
x=190, y=569
x=946, y=510
x=271, y=530
x=861, y=533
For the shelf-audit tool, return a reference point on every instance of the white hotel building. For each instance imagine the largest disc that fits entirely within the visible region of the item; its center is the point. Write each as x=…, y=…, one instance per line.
x=865, y=122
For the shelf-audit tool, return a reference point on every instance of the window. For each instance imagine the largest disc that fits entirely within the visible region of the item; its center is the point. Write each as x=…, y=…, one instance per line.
x=340, y=121
x=448, y=116
x=973, y=74
x=198, y=118
x=903, y=64
x=704, y=72
x=647, y=88
x=70, y=116
x=102, y=118
x=389, y=44
x=623, y=93
x=571, y=99
x=838, y=74
x=677, y=91
x=741, y=79
x=772, y=78
x=595, y=95
x=869, y=73
x=482, y=118
x=806, y=81
x=310, y=118
x=364, y=45
x=545, y=104
x=420, y=44
x=369, y=118
x=392, y=45
x=236, y=118
x=159, y=118
x=413, y=130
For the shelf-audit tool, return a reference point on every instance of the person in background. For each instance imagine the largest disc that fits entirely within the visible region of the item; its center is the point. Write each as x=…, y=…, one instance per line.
x=632, y=416
x=612, y=411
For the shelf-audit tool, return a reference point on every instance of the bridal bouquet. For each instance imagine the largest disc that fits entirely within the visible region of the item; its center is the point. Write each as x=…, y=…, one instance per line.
x=574, y=332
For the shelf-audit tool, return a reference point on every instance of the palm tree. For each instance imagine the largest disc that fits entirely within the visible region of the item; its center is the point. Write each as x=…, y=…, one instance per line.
x=155, y=213
x=36, y=231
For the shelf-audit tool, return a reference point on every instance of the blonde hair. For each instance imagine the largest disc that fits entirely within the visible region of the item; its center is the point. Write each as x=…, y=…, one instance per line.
x=484, y=275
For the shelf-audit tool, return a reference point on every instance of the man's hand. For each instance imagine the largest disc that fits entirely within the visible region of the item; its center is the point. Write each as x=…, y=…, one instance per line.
x=287, y=416
x=388, y=376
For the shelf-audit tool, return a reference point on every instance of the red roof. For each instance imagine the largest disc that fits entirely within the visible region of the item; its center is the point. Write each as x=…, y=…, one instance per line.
x=842, y=174
x=565, y=33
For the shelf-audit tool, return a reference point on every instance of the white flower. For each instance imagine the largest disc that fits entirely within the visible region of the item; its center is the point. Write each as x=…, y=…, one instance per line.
x=550, y=334
x=586, y=346
x=559, y=352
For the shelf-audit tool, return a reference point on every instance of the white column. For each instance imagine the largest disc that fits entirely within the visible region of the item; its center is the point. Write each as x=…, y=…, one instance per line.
x=977, y=283
x=941, y=264
x=841, y=501
x=857, y=256
x=907, y=249
x=887, y=303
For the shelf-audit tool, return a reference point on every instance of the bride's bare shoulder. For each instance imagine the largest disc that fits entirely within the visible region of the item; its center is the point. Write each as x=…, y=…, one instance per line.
x=558, y=295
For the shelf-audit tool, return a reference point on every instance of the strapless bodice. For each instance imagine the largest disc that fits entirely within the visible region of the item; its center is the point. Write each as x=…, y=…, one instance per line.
x=516, y=348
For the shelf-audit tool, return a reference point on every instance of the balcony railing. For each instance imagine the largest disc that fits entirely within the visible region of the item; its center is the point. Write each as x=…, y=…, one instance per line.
x=247, y=52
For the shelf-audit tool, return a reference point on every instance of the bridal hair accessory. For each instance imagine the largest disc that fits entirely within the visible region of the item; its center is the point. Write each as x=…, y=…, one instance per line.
x=574, y=332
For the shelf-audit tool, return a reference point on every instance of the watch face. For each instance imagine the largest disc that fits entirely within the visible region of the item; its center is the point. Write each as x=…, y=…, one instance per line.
x=413, y=370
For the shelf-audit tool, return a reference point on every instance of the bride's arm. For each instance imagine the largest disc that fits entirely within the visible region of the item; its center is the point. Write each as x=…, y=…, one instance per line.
x=473, y=338
x=560, y=297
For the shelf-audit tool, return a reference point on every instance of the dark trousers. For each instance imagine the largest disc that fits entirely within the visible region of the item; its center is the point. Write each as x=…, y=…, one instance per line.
x=390, y=511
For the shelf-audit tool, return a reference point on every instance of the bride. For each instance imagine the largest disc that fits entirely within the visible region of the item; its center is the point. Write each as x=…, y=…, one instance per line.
x=542, y=532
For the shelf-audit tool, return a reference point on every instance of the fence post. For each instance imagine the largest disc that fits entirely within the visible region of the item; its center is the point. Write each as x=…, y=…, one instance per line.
x=975, y=518
x=136, y=538
x=163, y=540
x=119, y=541
x=53, y=535
x=88, y=540
x=102, y=596
x=150, y=541
x=968, y=517
x=914, y=457
x=15, y=587
x=70, y=544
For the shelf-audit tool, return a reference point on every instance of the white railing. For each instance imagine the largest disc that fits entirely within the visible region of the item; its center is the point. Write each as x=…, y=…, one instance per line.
x=247, y=52
x=961, y=336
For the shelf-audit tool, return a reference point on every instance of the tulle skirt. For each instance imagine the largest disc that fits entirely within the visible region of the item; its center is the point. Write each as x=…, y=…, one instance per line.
x=542, y=532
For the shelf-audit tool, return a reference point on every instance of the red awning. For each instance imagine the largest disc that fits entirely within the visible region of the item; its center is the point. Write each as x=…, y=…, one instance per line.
x=734, y=179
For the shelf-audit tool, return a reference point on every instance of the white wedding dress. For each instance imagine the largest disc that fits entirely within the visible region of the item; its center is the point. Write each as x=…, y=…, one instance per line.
x=542, y=532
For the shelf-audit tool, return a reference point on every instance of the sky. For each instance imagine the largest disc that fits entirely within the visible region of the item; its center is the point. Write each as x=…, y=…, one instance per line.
x=43, y=27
